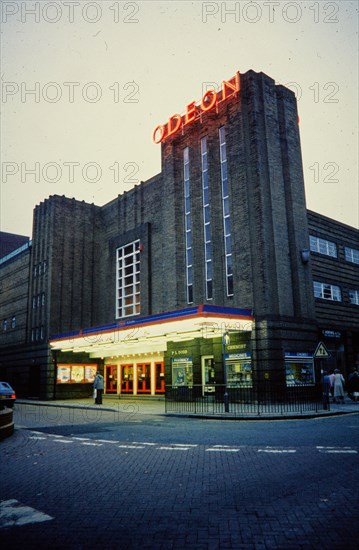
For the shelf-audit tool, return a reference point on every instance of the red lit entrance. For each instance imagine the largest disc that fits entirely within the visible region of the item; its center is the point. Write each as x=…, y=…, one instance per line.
x=111, y=378
x=144, y=378
x=159, y=377
x=126, y=378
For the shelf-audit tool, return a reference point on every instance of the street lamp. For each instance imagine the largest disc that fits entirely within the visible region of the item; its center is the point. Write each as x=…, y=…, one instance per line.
x=225, y=342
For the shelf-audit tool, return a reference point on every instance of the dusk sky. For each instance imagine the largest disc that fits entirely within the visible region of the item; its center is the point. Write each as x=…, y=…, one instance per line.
x=85, y=83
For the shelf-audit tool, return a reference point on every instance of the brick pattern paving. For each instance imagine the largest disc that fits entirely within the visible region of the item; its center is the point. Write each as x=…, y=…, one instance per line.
x=117, y=494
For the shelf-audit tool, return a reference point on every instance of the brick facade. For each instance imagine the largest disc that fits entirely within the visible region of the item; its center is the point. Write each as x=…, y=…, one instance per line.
x=71, y=270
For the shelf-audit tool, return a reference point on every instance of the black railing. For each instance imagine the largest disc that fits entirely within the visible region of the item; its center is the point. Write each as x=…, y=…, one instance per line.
x=261, y=399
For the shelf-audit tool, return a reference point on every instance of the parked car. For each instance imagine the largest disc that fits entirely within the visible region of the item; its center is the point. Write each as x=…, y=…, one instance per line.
x=7, y=395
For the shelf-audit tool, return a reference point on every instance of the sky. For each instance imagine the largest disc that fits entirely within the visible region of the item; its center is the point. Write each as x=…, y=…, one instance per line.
x=84, y=84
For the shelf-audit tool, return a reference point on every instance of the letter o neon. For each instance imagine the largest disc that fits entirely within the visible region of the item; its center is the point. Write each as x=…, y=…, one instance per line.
x=160, y=128
x=211, y=104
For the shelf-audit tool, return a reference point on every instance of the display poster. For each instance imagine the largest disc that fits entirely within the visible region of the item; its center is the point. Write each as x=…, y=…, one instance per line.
x=299, y=369
x=90, y=373
x=182, y=371
x=239, y=369
x=63, y=374
x=76, y=374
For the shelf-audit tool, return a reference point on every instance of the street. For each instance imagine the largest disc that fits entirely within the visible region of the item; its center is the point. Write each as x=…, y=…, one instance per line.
x=81, y=479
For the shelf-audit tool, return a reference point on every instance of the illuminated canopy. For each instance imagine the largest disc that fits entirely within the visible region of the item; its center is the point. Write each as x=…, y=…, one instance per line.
x=151, y=334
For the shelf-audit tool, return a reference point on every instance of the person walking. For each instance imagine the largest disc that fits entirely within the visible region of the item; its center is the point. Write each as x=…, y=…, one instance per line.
x=99, y=387
x=353, y=385
x=338, y=384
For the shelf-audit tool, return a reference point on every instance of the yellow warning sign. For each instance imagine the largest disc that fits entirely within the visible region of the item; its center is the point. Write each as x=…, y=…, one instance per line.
x=321, y=352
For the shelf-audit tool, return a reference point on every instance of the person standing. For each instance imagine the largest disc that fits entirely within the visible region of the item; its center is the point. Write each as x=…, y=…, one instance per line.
x=338, y=384
x=99, y=387
x=353, y=385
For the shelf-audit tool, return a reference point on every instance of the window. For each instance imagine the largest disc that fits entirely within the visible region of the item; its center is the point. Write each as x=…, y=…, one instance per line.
x=188, y=226
x=39, y=269
x=206, y=221
x=4, y=325
x=354, y=297
x=33, y=302
x=322, y=246
x=226, y=214
x=13, y=322
x=128, y=280
x=327, y=292
x=352, y=255
x=44, y=266
x=43, y=299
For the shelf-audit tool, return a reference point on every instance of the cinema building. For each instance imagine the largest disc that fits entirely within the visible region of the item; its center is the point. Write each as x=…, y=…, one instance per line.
x=210, y=273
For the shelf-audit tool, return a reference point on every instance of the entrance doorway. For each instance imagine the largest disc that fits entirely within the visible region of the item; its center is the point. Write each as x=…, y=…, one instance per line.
x=143, y=378
x=160, y=377
x=111, y=378
x=126, y=378
x=208, y=375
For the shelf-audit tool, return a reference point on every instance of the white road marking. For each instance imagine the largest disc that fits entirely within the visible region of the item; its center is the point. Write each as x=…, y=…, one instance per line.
x=217, y=449
x=107, y=441
x=337, y=450
x=36, y=437
x=143, y=443
x=92, y=444
x=130, y=447
x=12, y=513
x=62, y=441
x=183, y=445
x=82, y=438
x=173, y=448
x=277, y=451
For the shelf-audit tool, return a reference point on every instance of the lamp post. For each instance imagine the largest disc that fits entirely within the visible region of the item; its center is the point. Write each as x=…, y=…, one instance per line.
x=225, y=342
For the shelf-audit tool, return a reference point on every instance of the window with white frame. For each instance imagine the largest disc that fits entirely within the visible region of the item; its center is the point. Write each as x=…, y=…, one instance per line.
x=188, y=226
x=352, y=255
x=128, y=280
x=327, y=291
x=354, y=297
x=226, y=213
x=322, y=246
x=206, y=221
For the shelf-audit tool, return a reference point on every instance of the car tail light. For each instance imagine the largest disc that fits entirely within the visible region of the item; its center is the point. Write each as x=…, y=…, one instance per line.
x=13, y=396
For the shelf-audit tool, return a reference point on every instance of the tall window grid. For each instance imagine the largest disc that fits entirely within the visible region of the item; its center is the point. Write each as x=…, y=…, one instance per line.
x=327, y=292
x=188, y=226
x=128, y=280
x=352, y=255
x=226, y=214
x=206, y=222
x=354, y=297
x=322, y=246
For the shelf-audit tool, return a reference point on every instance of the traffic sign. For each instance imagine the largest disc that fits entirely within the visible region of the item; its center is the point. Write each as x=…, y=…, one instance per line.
x=321, y=352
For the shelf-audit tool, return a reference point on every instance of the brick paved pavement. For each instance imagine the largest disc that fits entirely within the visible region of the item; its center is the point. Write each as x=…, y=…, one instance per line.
x=127, y=495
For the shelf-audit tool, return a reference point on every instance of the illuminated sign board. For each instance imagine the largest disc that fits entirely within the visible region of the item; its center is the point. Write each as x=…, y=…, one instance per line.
x=210, y=100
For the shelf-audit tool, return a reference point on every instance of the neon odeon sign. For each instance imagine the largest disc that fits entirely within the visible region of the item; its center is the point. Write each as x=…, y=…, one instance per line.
x=193, y=112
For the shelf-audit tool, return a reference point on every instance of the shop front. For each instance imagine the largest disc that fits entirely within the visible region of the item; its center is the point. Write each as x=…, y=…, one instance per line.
x=136, y=376
x=140, y=357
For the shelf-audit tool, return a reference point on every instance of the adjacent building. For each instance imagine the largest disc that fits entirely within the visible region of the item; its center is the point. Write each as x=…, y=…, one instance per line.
x=212, y=272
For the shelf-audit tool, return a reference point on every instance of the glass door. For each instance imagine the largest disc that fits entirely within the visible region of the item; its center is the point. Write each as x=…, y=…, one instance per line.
x=143, y=378
x=111, y=378
x=126, y=378
x=160, y=377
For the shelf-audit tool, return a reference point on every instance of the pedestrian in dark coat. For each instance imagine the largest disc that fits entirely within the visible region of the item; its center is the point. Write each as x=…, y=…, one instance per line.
x=353, y=385
x=99, y=385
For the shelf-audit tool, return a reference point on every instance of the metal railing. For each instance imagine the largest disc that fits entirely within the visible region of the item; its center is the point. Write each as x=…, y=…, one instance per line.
x=260, y=399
